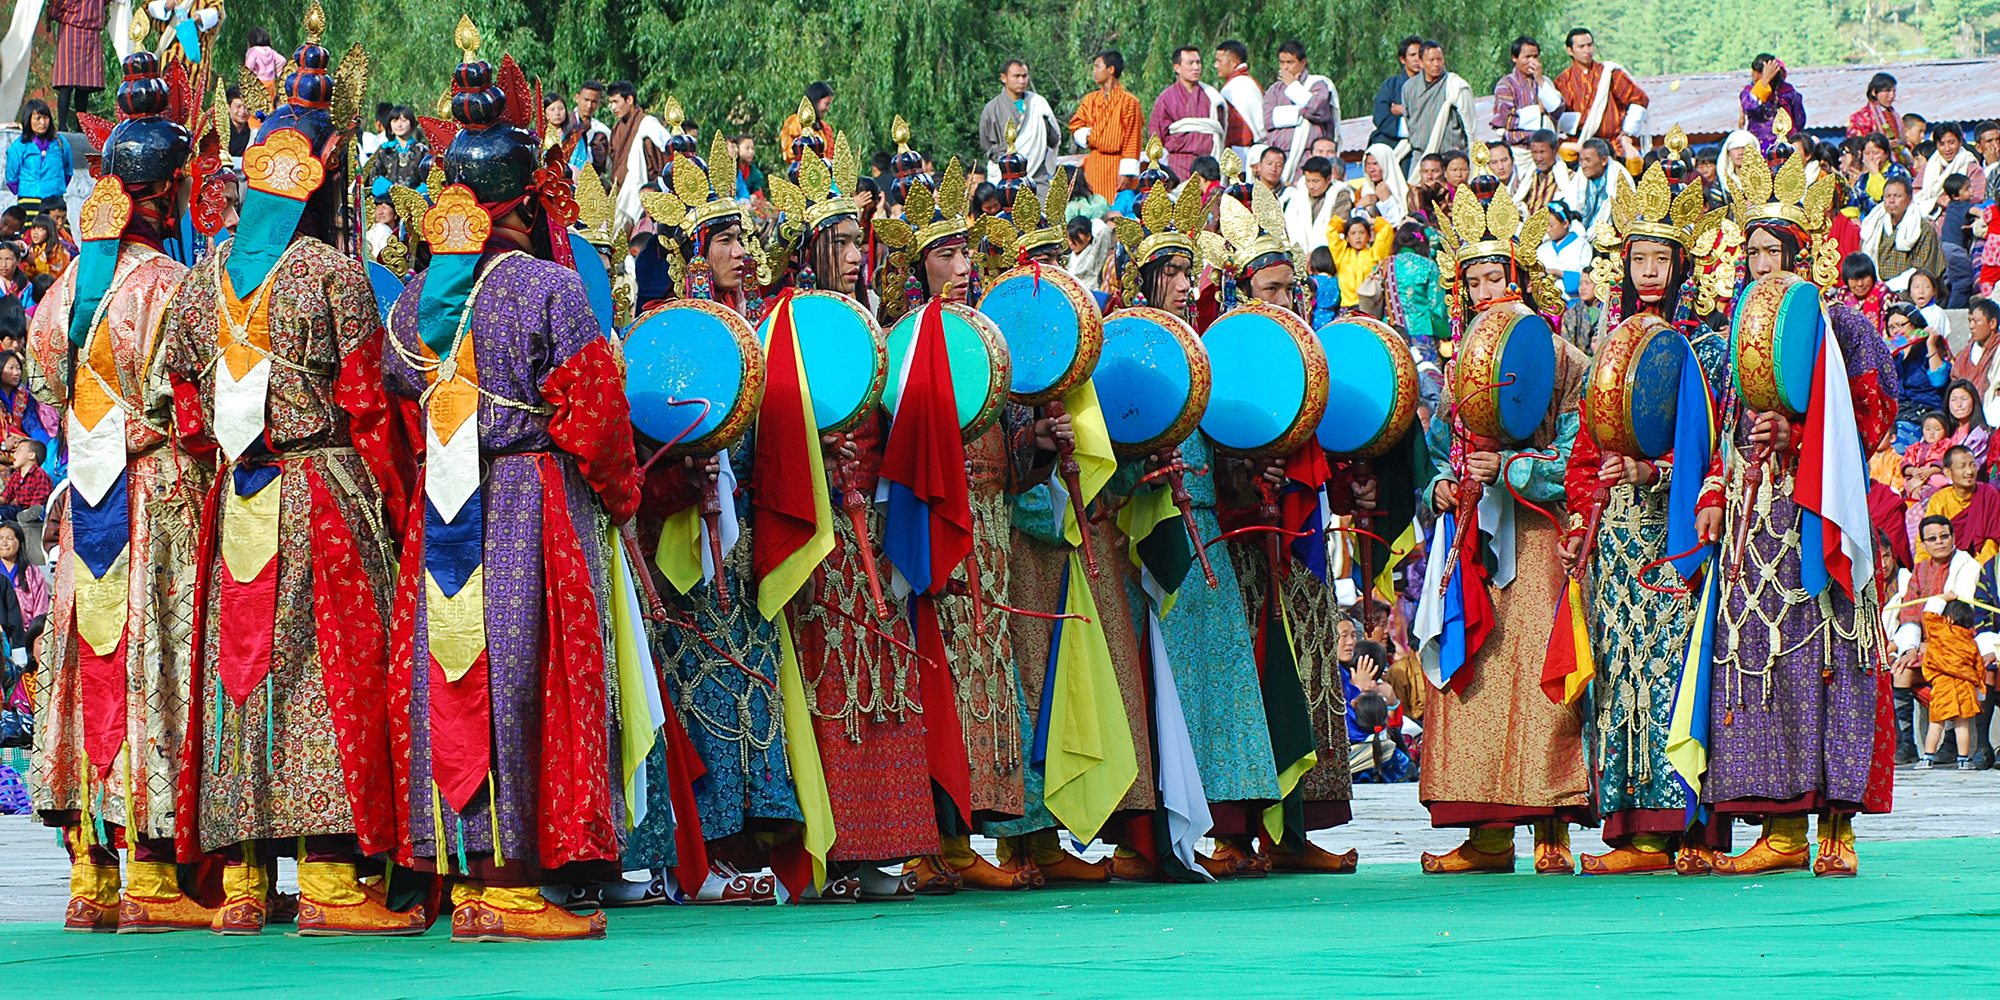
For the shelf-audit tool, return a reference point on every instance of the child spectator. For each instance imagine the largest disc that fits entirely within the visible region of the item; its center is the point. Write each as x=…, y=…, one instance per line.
x=262, y=60
x=1326, y=288
x=1957, y=678
x=1922, y=292
x=46, y=253
x=1364, y=244
x=1860, y=289
x=30, y=484
x=1923, y=460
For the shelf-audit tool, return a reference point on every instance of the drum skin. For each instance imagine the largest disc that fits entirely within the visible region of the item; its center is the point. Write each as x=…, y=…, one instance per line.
x=1635, y=388
x=693, y=349
x=1504, y=375
x=980, y=367
x=596, y=280
x=388, y=288
x=1152, y=380
x=845, y=356
x=1269, y=382
x=1372, y=394
x=1053, y=330
x=1779, y=325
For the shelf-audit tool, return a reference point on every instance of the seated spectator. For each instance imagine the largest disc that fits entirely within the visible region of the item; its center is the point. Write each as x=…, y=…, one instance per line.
x=46, y=252
x=1982, y=350
x=29, y=581
x=1373, y=717
x=1922, y=368
x=30, y=485
x=20, y=412
x=1972, y=507
x=1921, y=291
x=1898, y=236
x=1923, y=460
x=1961, y=404
x=14, y=280
x=1861, y=289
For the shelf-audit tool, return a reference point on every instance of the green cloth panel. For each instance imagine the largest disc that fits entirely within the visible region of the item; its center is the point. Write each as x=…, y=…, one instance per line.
x=1918, y=920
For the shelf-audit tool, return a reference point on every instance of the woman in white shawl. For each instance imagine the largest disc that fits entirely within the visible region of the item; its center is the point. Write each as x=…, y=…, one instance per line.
x=1952, y=157
x=1729, y=165
x=1381, y=185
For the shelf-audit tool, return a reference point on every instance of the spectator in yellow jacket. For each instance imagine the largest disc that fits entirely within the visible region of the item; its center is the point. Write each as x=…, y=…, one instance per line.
x=1364, y=245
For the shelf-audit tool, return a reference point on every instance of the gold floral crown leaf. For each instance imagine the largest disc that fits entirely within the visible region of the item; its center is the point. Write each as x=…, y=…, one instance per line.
x=1055, y=205
x=952, y=197
x=844, y=167
x=895, y=232
x=216, y=121
x=899, y=132
x=1534, y=229
x=1129, y=232
x=1780, y=195
x=255, y=97
x=814, y=181
x=1213, y=248
x=594, y=209
x=1157, y=214
x=1231, y=166
x=672, y=114
x=807, y=118
x=1190, y=210
x=411, y=207
x=1239, y=226
x=918, y=206
x=786, y=196
x=663, y=208
x=1012, y=132
x=350, y=85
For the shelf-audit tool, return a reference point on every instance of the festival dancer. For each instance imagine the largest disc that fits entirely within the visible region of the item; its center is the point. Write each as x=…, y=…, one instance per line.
x=109, y=745
x=1498, y=754
x=528, y=451
x=932, y=262
x=1203, y=634
x=272, y=348
x=859, y=669
x=1639, y=636
x=1303, y=625
x=726, y=693
x=1793, y=718
x=1045, y=537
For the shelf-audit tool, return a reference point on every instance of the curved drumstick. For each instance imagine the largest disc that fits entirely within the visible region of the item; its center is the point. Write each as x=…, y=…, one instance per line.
x=855, y=503
x=1508, y=479
x=957, y=587
x=1072, y=474
x=1683, y=590
x=1172, y=471
x=1470, y=491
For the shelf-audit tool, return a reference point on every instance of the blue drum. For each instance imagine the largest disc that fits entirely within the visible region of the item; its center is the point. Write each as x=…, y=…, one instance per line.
x=845, y=356
x=1152, y=380
x=1634, y=389
x=1504, y=377
x=694, y=376
x=1269, y=387
x=388, y=288
x=1053, y=330
x=596, y=280
x=1779, y=325
x=980, y=367
x=1372, y=398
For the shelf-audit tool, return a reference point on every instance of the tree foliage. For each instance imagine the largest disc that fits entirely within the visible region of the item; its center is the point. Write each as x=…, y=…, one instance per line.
x=742, y=65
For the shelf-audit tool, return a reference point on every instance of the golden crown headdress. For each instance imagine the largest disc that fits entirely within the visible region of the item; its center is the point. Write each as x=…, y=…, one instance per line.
x=1257, y=231
x=1035, y=222
x=1167, y=226
x=1782, y=195
x=1651, y=209
x=824, y=192
x=1473, y=230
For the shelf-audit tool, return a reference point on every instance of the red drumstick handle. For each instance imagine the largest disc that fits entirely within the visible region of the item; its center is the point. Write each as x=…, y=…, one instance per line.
x=1753, y=480
x=1273, y=545
x=1185, y=501
x=1598, y=499
x=856, y=504
x=711, y=516
x=1072, y=474
x=972, y=592
x=1469, y=493
x=655, y=608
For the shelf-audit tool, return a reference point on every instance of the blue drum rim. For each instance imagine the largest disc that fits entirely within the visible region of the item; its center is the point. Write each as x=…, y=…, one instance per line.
x=1200, y=380
x=876, y=336
x=736, y=420
x=1089, y=335
x=1312, y=404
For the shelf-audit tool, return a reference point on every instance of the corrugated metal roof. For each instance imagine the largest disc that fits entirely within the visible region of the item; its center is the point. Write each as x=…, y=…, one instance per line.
x=1706, y=104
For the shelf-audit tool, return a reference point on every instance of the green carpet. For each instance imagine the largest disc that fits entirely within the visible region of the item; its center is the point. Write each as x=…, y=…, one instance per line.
x=1919, y=921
